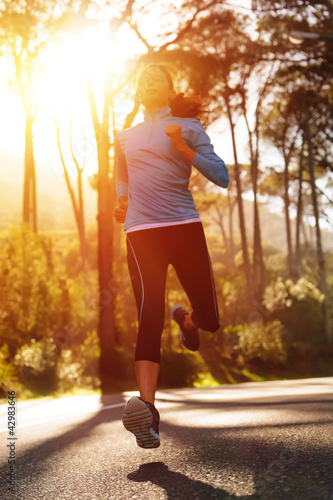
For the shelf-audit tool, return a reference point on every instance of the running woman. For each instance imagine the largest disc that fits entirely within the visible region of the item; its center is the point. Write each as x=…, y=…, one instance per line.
x=163, y=227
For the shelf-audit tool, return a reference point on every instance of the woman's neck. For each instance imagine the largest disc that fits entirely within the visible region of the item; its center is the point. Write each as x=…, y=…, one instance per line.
x=152, y=108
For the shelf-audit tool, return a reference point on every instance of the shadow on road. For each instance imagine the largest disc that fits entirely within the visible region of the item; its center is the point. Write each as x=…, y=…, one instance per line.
x=175, y=484
x=281, y=459
x=285, y=460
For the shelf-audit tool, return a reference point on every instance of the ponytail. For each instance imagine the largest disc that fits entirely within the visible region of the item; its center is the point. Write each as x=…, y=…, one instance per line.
x=186, y=107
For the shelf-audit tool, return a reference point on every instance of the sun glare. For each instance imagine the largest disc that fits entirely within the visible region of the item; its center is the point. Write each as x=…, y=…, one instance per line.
x=95, y=52
x=60, y=84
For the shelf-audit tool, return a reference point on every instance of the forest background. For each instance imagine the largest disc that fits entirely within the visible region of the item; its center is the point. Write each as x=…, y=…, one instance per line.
x=68, y=320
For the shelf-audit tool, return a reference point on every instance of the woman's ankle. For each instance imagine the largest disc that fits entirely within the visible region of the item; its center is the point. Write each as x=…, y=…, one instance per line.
x=188, y=323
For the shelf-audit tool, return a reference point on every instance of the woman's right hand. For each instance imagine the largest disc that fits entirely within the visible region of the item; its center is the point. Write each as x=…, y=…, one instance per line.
x=120, y=211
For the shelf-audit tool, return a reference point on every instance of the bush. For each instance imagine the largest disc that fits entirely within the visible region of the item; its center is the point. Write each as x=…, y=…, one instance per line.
x=42, y=310
x=79, y=366
x=267, y=342
x=235, y=304
x=180, y=369
x=36, y=365
x=297, y=305
x=8, y=372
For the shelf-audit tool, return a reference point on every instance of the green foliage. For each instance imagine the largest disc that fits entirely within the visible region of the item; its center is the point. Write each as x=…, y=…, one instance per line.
x=42, y=311
x=180, y=369
x=68, y=371
x=31, y=295
x=267, y=342
x=78, y=366
x=41, y=365
x=37, y=297
x=277, y=264
x=234, y=299
x=36, y=364
x=8, y=373
x=297, y=305
x=36, y=355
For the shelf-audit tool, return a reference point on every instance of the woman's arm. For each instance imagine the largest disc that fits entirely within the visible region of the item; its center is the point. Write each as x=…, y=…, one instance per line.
x=201, y=154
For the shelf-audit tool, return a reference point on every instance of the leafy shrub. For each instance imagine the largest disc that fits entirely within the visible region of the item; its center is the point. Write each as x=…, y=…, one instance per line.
x=36, y=355
x=267, y=342
x=8, y=372
x=42, y=310
x=234, y=300
x=36, y=365
x=180, y=369
x=68, y=371
x=297, y=305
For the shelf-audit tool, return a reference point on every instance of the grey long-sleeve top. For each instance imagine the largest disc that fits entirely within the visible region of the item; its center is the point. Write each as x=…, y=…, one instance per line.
x=155, y=176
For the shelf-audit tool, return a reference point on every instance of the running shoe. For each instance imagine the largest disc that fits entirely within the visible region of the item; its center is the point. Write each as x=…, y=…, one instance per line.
x=189, y=338
x=142, y=419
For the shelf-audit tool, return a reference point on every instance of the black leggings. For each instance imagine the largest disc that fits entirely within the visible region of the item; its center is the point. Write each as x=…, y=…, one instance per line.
x=149, y=252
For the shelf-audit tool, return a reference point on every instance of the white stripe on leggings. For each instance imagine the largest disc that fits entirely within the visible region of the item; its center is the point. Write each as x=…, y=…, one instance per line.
x=143, y=290
x=213, y=288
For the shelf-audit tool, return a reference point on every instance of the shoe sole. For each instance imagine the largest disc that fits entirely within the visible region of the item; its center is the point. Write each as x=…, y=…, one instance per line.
x=138, y=419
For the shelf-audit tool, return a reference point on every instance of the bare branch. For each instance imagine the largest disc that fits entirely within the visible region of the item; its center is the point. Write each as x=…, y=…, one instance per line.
x=187, y=27
x=143, y=40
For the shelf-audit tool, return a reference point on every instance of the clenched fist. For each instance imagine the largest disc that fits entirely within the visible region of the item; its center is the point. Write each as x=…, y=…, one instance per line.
x=175, y=134
x=120, y=211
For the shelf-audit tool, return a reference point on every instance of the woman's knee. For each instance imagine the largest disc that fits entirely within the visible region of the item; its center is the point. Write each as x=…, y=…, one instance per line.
x=208, y=324
x=152, y=353
x=212, y=327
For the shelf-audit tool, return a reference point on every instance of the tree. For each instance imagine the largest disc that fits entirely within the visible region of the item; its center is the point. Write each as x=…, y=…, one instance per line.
x=306, y=74
x=281, y=128
x=25, y=30
x=77, y=203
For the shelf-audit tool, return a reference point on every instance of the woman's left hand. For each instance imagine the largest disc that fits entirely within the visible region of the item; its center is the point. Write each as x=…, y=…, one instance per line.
x=175, y=134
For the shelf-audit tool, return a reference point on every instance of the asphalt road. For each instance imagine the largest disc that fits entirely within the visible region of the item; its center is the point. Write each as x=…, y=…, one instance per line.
x=262, y=440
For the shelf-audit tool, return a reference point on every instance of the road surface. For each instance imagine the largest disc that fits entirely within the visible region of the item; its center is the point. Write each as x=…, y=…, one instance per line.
x=254, y=440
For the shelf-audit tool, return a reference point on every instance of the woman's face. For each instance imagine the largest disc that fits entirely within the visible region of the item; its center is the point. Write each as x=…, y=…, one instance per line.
x=154, y=88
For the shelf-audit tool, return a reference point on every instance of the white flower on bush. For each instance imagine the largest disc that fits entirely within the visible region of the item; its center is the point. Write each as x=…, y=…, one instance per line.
x=36, y=355
x=264, y=341
x=281, y=294
x=68, y=370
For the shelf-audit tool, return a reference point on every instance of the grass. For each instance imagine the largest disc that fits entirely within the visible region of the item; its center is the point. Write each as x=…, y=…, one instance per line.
x=205, y=380
x=27, y=395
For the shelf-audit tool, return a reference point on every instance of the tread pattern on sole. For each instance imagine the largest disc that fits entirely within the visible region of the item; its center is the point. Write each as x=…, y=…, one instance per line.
x=138, y=419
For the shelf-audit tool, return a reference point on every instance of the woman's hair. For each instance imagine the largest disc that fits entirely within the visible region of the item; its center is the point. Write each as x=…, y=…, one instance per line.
x=181, y=105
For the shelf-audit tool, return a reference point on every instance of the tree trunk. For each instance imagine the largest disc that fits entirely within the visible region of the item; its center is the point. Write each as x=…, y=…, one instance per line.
x=258, y=253
x=231, y=231
x=286, y=213
x=29, y=214
x=259, y=272
x=321, y=259
x=106, y=325
x=219, y=221
x=240, y=208
x=105, y=264
x=226, y=243
x=118, y=229
x=81, y=225
x=299, y=216
x=78, y=208
x=306, y=240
